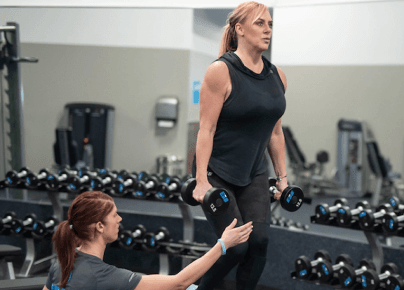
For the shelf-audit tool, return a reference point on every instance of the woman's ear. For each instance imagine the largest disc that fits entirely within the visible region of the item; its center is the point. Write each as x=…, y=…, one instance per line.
x=239, y=29
x=99, y=227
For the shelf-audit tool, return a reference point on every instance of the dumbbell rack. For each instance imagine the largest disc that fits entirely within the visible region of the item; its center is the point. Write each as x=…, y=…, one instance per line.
x=372, y=238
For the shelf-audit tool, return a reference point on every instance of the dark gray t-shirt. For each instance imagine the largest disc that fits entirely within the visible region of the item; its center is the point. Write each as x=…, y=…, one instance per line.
x=91, y=273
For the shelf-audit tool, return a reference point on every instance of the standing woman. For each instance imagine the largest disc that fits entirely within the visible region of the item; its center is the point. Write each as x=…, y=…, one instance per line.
x=93, y=223
x=242, y=100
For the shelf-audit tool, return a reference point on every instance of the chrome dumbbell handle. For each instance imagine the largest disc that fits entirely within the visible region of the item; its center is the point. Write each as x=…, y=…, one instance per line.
x=106, y=180
x=128, y=182
x=7, y=219
x=173, y=187
x=28, y=221
x=50, y=224
x=136, y=234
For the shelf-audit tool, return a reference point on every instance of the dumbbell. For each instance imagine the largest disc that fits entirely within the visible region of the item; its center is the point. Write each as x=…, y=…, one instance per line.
x=123, y=186
x=391, y=223
x=86, y=170
x=326, y=271
x=395, y=203
x=371, y=280
x=394, y=282
x=151, y=240
x=18, y=226
x=32, y=181
x=304, y=267
x=143, y=188
x=41, y=228
x=324, y=211
x=368, y=220
x=291, y=198
x=54, y=182
x=76, y=184
x=346, y=216
x=348, y=276
x=168, y=188
x=7, y=220
x=13, y=178
x=127, y=238
x=101, y=183
x=123, y=173
x=215, y=202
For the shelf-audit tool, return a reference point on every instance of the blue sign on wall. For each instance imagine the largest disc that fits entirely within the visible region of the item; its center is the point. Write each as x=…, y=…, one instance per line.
x=196, y=87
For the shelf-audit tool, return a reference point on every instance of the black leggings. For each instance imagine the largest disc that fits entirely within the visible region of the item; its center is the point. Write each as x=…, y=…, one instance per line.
x=248, y=203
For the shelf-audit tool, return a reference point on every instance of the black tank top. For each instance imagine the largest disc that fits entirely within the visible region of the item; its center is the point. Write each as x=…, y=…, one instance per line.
x=245, y=124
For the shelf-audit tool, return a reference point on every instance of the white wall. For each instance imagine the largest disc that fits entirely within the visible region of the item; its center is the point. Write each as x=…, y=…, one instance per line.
x=345, y=34
x=152, y=28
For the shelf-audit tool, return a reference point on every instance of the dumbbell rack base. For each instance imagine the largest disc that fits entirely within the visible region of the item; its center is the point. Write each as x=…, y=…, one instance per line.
x=31, y=265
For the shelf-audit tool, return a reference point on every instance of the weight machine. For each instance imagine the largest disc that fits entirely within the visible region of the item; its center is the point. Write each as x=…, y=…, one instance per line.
x=12, y=148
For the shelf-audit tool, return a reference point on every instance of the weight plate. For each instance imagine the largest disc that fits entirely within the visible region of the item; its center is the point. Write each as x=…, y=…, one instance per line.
x=292, y=198
x=187, y=191
x=216, y=201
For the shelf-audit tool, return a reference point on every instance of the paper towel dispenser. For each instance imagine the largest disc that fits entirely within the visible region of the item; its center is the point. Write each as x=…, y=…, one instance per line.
x=167, y=112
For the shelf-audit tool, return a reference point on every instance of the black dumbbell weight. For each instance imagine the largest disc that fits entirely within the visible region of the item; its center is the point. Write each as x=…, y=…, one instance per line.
x=168, y=188
x=102, y=183
x=327, y=271
x=53, y=182
x=304, y=267
x=349, y=277
x=7, y=220
x=40, y=228
x=142, y=175
x=127, y=239
x=346, y=216
x=371, y=280
x=147, y=186
x=76, y=184
x=14, y=178
x=324, y=212
x=368, y=220
x=151, y=240
x=291, y=198
x=20, y=226
x=391, y=223
x=121, y=187
x=122, y=174
x=394, y=282
x=397, y=207
x=33, y=181
x=215, y=202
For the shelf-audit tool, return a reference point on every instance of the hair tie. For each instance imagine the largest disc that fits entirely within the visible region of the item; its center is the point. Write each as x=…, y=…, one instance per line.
x=71, y=224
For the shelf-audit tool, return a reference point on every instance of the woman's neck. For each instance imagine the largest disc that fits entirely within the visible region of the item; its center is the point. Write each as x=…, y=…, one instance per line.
x=96, y=249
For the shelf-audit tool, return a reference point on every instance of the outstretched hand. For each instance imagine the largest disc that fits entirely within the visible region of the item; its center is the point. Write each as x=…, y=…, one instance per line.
x=234, y=236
